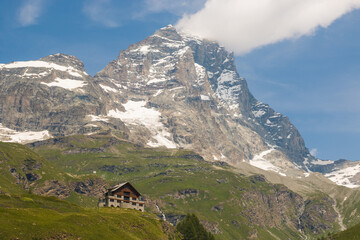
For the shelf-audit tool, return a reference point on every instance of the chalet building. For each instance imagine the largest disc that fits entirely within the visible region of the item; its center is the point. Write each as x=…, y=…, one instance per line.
x=123, y=195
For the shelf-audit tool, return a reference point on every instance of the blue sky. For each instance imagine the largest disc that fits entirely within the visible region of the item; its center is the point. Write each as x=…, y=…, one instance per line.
x=313, y=78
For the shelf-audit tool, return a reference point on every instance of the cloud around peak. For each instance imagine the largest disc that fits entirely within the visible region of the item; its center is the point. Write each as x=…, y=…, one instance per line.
x=314, y=152
x=244, y=25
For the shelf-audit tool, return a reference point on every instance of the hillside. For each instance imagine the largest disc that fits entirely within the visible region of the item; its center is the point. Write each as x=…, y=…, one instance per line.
x=352, y=233
x=22, y=169
x=28, y=216
x=229, y=204
x=35, y=217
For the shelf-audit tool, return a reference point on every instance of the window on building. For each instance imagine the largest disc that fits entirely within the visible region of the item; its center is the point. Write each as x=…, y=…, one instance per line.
x=127, y=198
x=126, y=193
x=134, y=204
x=140, y=204
x=134, y=198
x=111, y=200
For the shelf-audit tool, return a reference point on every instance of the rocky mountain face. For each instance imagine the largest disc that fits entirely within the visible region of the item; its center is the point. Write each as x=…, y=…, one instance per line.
x=202, y=103
x=48, y=97
x=170, y=90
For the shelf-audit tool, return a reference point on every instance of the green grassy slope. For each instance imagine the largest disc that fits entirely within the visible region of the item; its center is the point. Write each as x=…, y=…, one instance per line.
x=352, y=233
x=20, y=165
x=24, y=171
x=231, y=205
x=35, y=217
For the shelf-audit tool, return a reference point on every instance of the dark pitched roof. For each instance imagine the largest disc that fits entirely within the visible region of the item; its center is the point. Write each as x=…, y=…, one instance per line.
x=116, y=187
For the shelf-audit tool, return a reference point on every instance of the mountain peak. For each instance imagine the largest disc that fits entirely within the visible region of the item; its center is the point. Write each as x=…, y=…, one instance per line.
x=64, y=60
x=170, y=26
x=168, y=32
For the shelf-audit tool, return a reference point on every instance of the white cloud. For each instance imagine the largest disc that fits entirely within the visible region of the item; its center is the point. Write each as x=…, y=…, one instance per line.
x=102, y=11
x=30, y=11
x=243, y=25
x=314, y=152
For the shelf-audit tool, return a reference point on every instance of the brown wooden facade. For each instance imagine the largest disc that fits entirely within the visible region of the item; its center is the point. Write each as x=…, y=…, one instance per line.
x=123, y=196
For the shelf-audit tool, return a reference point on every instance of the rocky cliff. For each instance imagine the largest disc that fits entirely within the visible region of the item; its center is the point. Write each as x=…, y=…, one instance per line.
x=49, y=97
x=202, y=103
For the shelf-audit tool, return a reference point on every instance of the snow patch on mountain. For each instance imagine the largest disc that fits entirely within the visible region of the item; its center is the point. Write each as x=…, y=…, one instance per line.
x=144, y=49
x=322, y=162
x=182, y=51
x=343, y=176
x=10, y=135
x=159, y=72
x=98, y=118
x=228, y=88
x=176, y=88
x=108, y=89
x=137, y=114
x=158, y=92
x=204, y=98
x=157, y=80
x=42, y=64
x=261, y=162
x=162, y=61
x=162, y=140
x=68, y=84
x=169, y=43
x=259, y=113
x=306, y=164
x=174, y=44
x=36, y=75
x=201, y=74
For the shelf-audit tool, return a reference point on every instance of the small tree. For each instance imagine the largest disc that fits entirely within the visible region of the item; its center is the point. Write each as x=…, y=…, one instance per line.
x=191, y=229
